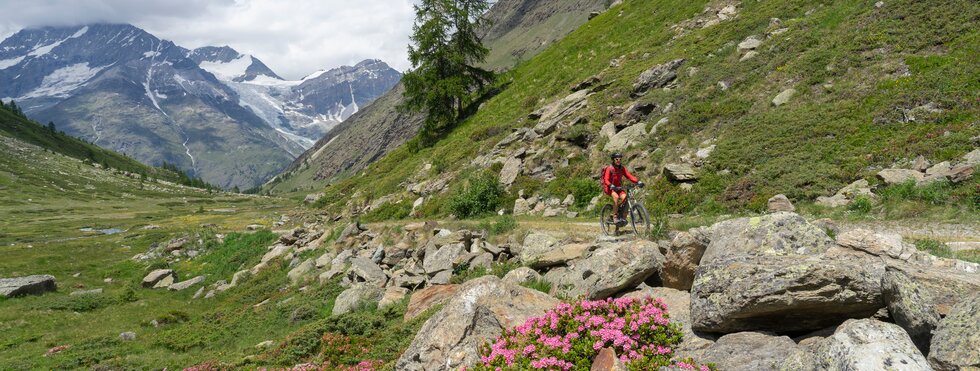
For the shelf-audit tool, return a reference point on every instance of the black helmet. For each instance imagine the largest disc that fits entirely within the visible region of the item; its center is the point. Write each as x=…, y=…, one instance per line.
x=615, y=155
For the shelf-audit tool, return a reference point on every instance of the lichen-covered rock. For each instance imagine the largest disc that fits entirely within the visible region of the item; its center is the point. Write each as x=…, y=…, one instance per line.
x=770, y=273
x=478, y=313
x=155, y=277
x=535, y=245
x=608, y=270
x=357, y=296
x=910, y=307
x=683, y=259
x=899, y=176
x=626, y=138
x=880, y=244
x=302, y=271
x=749, y=351
x=521, y=275
x=680, y=172
x=956, y=342
x=560, y=255
x=183, y=285
x=656, y=77
x=364, y=270
x=783, y=293
x=869, y=345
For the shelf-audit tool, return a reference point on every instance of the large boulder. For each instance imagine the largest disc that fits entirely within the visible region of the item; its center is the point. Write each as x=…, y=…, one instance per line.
x=771, y=273
x=30, y=285
x=611, y=268
x=521, y=275
x=683, y=259
x=868, y=345
x=441, y=259
x=780, y=203
x=356, y=297
x=657, y=77
x=510, y=171
x=427, y=298
x=956, y=342
x=160, y=278
x=880, y=244
x=478, y=313
x=910, y=307
x=302, y=271
x=749, y=351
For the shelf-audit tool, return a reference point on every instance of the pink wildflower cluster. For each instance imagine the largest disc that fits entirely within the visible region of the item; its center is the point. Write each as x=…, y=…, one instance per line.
x=571, y=335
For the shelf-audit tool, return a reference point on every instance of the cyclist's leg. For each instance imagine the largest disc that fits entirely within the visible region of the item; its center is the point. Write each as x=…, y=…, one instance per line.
x=616, y=201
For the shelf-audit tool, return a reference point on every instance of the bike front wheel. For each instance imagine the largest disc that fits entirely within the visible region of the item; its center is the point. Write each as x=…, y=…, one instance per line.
x=605, y=220
x=640, y=220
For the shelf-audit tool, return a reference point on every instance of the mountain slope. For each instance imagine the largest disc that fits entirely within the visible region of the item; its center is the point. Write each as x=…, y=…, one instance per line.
x=214, y=112
x=871, y=92
x=519, y=29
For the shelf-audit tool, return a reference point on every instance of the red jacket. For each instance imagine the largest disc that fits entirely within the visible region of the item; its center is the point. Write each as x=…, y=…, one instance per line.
x=612, y=176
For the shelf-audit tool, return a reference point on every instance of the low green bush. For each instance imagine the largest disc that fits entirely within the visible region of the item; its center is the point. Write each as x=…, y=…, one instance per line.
x=480, y=194
x=538, y=284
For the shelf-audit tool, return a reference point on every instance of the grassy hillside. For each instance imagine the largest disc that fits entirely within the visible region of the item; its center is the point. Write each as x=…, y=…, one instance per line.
x=857, y=69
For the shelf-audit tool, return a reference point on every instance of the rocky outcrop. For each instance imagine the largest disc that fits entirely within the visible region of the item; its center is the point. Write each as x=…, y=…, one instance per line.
x=550, y=116
x=954, y=345
x=478, y=313
x=627, y=137
x=609, y=269
x=680, y=172
x=427, y=298
x=30, y=285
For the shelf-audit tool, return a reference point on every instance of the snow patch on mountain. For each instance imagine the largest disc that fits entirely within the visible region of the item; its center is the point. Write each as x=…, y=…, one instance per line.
x=64, y=80
x=228, y=70
x=4, y=64
x=37, y=52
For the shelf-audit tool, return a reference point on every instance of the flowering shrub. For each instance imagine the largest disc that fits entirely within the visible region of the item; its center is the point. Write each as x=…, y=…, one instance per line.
x=570, y=336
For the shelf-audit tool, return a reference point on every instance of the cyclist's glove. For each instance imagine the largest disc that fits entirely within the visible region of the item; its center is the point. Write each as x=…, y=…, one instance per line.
x=641, y=184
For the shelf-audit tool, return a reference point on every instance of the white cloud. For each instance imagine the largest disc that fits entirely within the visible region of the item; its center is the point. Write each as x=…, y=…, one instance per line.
x=293, y=37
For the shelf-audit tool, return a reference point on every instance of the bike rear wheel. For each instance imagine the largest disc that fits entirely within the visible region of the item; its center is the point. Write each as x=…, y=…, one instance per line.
x=640, y=220
x=605, y=215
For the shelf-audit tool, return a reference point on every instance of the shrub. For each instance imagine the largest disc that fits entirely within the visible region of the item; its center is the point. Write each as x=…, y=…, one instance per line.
x=389, y=211
x=571, y=335
x=479, y=195
x=500, y=225
x=937, y=248
x=860, y=205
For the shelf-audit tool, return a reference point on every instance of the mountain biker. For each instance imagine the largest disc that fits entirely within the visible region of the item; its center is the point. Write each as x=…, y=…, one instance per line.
x=612, y=182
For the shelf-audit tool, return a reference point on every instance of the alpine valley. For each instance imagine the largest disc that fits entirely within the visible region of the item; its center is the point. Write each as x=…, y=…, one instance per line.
x=213, y=112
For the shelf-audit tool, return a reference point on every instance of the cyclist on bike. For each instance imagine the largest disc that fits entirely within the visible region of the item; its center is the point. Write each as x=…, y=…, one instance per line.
x=612, y=182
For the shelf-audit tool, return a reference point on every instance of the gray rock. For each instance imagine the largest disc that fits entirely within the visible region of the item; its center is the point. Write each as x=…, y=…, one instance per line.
x=972, y=158
x=521, y=275
x=955, y=342
x=869, y=345
x=879, y=244
x=657, y=77
x=159, y=276
x=352, y=229
x=780, y=203
x=364, y=270
x=324, y=260
x=683, y=259
x=773, y=234
x=479, y=312
x=183, y=285
x=558, y=111
x=626, y=138
x=535, y=245
x=608, y=270
x=127, y=336
x=302, y=271
x=559, y=255
x=680, y=172
x=484, y=260
x=783, y=97
x=441, y=259
x=356, y=297
x=510, y=171
x=960, y=173
x=750, y=43
x=424, y=299
x=749, y=351
x=899, y=176
x=910, y=307
x=521, y=207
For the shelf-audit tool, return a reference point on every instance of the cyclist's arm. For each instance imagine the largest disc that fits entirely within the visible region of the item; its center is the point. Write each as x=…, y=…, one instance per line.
x=630, y=176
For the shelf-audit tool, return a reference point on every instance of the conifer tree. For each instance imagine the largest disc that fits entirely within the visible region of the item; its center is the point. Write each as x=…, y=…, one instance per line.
x=445, y=48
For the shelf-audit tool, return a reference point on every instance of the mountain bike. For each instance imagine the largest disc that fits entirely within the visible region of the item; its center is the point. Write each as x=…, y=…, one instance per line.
x=631, y=213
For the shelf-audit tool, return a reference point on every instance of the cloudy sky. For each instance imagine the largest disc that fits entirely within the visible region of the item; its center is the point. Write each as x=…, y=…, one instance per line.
x=293, y=37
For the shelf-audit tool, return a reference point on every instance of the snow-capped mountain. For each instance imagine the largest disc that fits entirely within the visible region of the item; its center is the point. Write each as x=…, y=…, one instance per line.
x=216, y=113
